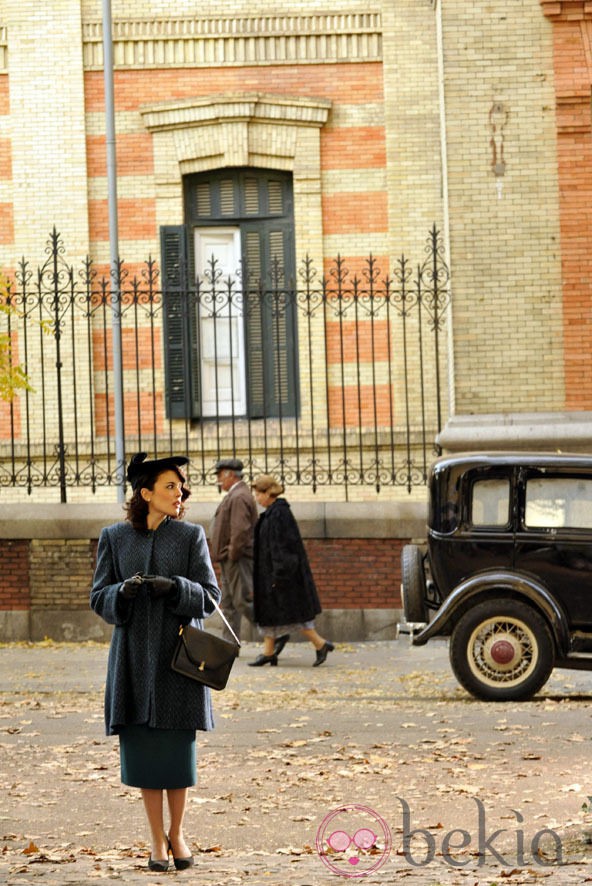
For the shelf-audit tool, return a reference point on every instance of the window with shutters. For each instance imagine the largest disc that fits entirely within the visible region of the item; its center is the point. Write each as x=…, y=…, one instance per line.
x=229, y=297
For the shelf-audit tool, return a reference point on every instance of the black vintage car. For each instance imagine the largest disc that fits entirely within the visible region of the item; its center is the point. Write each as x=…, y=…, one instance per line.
x=507, y=572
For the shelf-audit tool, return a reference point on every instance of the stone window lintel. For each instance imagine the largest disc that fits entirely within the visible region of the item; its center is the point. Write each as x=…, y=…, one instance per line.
x=204, y=111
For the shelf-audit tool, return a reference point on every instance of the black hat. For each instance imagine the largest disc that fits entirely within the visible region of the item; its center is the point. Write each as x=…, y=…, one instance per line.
x=229, y=464
x=139, y=469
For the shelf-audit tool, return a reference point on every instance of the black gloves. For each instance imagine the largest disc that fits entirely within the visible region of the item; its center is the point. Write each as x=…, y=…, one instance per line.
x=129, y=589
x=158, y=585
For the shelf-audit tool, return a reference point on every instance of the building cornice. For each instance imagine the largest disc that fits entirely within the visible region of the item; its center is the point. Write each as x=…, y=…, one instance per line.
x=244, y=40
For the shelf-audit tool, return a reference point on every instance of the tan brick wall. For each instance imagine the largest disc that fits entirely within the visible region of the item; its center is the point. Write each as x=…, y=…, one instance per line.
x=507, y=310
x=60, y=573
x=47, y=126
x=414, y=177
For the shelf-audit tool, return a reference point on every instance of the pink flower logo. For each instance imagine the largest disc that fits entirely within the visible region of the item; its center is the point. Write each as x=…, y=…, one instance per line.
x=353, y=841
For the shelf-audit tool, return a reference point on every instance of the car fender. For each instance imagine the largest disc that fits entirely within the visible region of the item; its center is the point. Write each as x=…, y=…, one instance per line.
x=519, y=584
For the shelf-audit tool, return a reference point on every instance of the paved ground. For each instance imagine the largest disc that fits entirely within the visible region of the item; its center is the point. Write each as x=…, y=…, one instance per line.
x=463, y=789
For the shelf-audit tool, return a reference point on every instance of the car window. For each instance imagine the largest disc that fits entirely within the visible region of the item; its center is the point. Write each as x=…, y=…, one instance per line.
x=490, y=502
x=556, y=502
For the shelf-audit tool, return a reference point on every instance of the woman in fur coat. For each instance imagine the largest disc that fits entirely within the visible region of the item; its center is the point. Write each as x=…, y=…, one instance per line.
x=153, y=574
x=285, y=595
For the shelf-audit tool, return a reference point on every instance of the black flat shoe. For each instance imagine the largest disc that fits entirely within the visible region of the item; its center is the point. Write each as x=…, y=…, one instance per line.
x=263, y=660
x=280, y=642
x=322, y=654
x=158, y=864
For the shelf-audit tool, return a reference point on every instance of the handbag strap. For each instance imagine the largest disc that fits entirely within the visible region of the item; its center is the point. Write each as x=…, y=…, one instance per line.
x=224, y=619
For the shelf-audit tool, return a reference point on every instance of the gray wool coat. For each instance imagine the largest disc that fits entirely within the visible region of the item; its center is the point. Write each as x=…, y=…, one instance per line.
x=141, y=687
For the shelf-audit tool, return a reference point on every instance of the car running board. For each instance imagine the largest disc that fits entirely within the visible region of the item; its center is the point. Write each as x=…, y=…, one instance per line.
x=575, y=660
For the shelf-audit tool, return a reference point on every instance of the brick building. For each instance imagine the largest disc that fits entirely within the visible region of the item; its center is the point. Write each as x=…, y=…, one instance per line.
x=273, y=131
x=354, y=132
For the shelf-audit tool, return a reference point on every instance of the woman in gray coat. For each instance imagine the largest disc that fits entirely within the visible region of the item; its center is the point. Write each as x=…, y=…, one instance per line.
x=154, y=573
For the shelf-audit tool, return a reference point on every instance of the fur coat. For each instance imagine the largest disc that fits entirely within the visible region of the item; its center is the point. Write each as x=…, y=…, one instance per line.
x=284, y=589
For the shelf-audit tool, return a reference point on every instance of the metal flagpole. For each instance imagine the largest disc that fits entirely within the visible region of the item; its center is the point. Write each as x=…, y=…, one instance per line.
x=114, y=247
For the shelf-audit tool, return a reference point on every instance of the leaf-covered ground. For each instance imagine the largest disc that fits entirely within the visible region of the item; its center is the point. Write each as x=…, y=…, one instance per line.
x=468, y=792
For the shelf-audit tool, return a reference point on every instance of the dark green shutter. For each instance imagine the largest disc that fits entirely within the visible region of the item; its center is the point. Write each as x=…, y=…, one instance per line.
x=270, y=319
x=282, y=321
x=179, y=326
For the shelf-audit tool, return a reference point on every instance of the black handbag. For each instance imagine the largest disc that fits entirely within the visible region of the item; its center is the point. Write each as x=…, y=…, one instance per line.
x=203, y=657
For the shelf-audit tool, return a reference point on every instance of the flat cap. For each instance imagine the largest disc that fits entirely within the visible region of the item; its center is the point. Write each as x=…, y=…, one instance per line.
x=229, y=464
x=139, y=468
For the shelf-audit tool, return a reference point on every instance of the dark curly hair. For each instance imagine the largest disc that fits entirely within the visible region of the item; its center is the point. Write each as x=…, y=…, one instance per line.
x=137, y=507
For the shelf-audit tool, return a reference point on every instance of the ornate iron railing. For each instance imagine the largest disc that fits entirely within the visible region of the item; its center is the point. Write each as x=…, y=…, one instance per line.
x=364, y=359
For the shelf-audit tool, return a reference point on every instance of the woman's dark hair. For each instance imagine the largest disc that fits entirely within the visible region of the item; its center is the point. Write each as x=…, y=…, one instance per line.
x=137, y=507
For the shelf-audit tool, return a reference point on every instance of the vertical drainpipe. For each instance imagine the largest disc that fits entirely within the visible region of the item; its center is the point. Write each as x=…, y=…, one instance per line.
x=114, y=248
x=445, y=203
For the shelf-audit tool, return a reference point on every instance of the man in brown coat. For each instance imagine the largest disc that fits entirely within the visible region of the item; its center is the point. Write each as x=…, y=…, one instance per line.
x=232, y=542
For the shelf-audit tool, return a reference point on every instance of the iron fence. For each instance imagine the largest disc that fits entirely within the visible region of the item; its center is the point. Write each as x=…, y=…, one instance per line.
x=332, y=379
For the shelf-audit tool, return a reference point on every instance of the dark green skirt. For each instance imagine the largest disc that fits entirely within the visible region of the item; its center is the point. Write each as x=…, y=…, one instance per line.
x=161, y=759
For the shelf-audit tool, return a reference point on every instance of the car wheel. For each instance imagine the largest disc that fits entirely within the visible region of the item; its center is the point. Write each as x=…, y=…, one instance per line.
x=502, y=650
x=413, y=585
